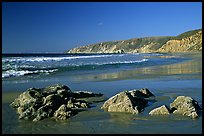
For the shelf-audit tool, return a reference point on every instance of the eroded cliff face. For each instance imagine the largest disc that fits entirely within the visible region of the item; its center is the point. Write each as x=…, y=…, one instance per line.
x=188, y=42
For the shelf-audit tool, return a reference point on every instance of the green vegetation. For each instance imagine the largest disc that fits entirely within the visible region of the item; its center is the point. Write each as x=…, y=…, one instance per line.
x=186, y=34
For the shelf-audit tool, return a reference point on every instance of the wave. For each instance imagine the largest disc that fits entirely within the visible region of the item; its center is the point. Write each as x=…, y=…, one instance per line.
x=23, y=70
x=42, y=59
x=122, y=62
x=17, y=73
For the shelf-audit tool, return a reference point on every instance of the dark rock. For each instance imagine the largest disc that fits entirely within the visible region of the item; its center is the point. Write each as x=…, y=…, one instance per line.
x=44, y=112
x=54, y=100
x=85, y=94
x=65, y=94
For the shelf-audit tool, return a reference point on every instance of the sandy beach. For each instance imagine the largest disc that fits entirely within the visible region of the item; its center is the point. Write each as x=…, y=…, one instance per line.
x=166, y=82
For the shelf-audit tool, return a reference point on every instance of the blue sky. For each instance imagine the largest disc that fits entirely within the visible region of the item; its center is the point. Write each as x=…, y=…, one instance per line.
x=55, y=27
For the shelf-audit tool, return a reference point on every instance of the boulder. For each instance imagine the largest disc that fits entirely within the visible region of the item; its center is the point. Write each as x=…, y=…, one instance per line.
x=125, y=102
x=53, y=101
x=162, y=110
x=186, y=106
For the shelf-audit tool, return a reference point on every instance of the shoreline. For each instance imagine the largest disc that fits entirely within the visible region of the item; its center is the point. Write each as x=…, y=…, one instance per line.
x=171, y=80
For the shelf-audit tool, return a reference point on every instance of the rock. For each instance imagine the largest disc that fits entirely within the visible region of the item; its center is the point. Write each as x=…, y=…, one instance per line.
x=145, y=93
x=29, y=98
x=53, y=101
x=186, y=106
x=77, y=104
x=125, y=102
x=28, y=113
x=43, y=112
x=65, y=94
x=54, y=88
x=63, y=112
x=162, y=110
x=120, y=51
x=85, y=94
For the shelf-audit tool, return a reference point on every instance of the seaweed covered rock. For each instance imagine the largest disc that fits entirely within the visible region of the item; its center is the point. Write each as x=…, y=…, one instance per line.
x=53, y=101
x=186, y=106
x=127, y=101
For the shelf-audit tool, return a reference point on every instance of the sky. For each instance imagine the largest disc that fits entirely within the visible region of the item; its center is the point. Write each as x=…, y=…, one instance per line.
x=55, y=27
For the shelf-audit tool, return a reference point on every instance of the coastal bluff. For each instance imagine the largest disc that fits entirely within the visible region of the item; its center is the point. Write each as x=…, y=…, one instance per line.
x=190, y=41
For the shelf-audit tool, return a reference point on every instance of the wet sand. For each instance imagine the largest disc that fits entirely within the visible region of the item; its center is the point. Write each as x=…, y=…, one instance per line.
x=165, y=82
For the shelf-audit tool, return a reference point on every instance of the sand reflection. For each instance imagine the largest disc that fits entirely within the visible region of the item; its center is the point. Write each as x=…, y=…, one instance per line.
x=193, y=68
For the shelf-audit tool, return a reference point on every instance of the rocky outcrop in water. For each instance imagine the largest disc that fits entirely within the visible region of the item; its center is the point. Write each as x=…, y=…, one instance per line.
x=56, y=101
x=59, y=102
x=186, y=106
x=182, y=105
x=128, y=101
x=186, y=42
x=135, y=101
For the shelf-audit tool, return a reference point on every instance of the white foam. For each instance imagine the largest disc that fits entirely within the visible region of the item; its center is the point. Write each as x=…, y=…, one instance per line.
x=41, y=59
x=123, y=62
x=17, y=73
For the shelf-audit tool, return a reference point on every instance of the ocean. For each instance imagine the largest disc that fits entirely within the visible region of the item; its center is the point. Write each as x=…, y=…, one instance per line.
x=35, y=65
x=165, y=75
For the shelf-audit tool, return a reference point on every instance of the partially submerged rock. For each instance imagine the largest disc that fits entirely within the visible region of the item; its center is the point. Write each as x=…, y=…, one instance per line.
x=53, y=101
x=186, y=106
x=85, y=94
x=58, y=101
x=162, y=110
x=144, y=93
x=183, y=105
x=128, y=101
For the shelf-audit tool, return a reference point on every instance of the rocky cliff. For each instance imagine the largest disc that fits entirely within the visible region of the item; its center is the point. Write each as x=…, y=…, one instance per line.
x=186, y=42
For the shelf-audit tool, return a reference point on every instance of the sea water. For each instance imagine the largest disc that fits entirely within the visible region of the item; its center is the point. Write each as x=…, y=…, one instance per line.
x=165, y=75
